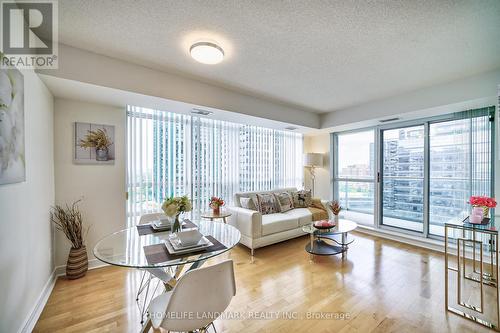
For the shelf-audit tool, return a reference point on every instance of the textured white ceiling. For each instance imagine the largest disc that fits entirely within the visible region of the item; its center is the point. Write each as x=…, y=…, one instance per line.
x=319, y=55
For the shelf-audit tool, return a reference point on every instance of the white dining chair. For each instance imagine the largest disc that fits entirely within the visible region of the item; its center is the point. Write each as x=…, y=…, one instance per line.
x=161, y=274
x=197, y=300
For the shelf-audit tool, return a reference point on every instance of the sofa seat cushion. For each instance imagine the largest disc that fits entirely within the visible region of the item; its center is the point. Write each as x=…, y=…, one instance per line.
x=274, y=223
x=303, y=215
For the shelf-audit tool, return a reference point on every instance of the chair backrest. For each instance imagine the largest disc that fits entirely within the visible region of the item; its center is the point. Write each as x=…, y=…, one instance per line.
x=148, y=218
x=199, y=297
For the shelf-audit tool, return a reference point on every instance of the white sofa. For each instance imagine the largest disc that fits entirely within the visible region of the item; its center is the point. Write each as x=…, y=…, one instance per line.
x=259, y=230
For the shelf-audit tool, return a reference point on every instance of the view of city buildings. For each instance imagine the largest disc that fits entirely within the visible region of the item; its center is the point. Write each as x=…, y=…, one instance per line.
x=459, y=166
x=201, y=157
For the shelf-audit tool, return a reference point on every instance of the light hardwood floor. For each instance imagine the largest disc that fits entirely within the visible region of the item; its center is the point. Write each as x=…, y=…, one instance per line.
x=383, y=286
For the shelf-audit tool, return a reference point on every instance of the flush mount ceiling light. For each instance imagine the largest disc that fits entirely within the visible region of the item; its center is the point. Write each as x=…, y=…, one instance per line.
x=207, y=53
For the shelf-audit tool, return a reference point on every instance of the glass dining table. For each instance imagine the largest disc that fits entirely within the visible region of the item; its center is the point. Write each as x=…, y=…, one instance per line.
x=143, y=249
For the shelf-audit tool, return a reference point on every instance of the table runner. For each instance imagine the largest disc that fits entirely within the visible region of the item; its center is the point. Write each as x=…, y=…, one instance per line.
x=146, y=229
x=158, y=253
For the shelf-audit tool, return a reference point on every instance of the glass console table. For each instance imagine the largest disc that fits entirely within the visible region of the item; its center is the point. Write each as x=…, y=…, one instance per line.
x=471, y=272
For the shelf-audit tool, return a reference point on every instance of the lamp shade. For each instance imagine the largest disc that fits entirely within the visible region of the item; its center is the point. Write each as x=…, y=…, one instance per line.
x=313, y=160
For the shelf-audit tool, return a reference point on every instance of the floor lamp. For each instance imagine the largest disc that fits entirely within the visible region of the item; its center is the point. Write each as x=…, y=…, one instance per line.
x=312, y=161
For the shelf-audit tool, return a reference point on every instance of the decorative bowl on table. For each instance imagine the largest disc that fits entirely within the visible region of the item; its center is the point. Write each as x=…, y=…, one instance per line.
x=324, y=224
x=189, y=237
x=163, y=221
x=161, y=224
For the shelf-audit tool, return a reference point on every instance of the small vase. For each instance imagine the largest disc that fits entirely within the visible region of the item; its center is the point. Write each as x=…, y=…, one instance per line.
x=77, y=264
x=336, y=219
x=475, y=219
x=486, y=211
x=101, y=154
x=477, y=211
x=176, y=226
x=216, y=211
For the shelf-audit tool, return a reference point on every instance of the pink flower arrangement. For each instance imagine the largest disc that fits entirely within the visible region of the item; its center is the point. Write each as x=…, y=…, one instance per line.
x=215, y=202
x=482, y=201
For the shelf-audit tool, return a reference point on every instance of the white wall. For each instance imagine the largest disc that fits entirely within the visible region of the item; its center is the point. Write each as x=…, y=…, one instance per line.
x=102, y=187
x=26, y=256
x=74, y=64
x=319, y=144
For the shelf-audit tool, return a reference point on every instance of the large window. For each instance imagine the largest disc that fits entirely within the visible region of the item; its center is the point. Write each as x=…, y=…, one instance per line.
x=170, y=154
x=460, y=158
x=424, y=171
x=354, y=180
x=403, y=177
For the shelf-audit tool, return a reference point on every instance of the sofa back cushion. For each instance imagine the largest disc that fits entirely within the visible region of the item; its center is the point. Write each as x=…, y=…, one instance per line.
x=302, y=199
x=248, y=203
x=266, y=203
x=238, y=195
x=284, y=201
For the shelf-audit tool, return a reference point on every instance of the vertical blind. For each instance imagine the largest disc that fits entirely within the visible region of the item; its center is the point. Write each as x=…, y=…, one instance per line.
x=170, y=154
x=461, y=160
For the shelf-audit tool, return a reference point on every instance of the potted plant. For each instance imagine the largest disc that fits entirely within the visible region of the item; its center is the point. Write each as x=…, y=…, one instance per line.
x=175, y=206
x=483, y=202
x=335, y=207
x=99, y=140
x=68, y=219
x=216, y=203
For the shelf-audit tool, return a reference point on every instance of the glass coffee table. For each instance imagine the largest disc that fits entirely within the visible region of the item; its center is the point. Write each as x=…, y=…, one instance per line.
x=328, y=242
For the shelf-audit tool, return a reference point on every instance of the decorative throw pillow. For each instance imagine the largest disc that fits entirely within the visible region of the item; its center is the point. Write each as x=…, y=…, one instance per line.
x=316, y=203
x=247, y=203
x=266, y=203
x=302, y=199
x=284, y=201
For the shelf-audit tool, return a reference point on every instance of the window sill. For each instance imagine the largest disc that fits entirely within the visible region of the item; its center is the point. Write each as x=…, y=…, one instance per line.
x=427, y=243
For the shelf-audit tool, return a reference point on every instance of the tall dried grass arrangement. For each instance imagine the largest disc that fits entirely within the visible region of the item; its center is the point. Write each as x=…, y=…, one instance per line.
x=96, y=139
x=335, y=206
x=69, y=220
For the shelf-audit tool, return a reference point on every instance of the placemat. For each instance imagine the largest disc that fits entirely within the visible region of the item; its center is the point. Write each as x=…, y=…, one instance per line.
x=158, y=253
x=146, y=229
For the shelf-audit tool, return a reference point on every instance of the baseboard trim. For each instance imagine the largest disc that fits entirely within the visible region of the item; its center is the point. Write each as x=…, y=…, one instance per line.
x=36, y=311
x=93, y=264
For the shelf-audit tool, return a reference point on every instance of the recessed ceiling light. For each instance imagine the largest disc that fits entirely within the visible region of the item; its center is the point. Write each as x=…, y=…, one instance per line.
x=207, y=53
x=291, y=128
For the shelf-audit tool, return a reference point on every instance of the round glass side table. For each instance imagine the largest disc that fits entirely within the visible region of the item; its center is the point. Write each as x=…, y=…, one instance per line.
x=211, y=216
x=327, y=242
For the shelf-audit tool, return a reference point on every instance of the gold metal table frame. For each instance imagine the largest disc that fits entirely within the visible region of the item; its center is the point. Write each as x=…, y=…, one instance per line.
x=478, y=238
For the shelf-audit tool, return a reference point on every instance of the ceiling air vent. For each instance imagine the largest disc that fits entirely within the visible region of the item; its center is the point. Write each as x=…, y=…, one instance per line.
x=388, y=120
x=201, y=112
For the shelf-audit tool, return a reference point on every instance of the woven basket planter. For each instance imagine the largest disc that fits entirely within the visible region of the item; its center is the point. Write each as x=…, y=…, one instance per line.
x=78, y=263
